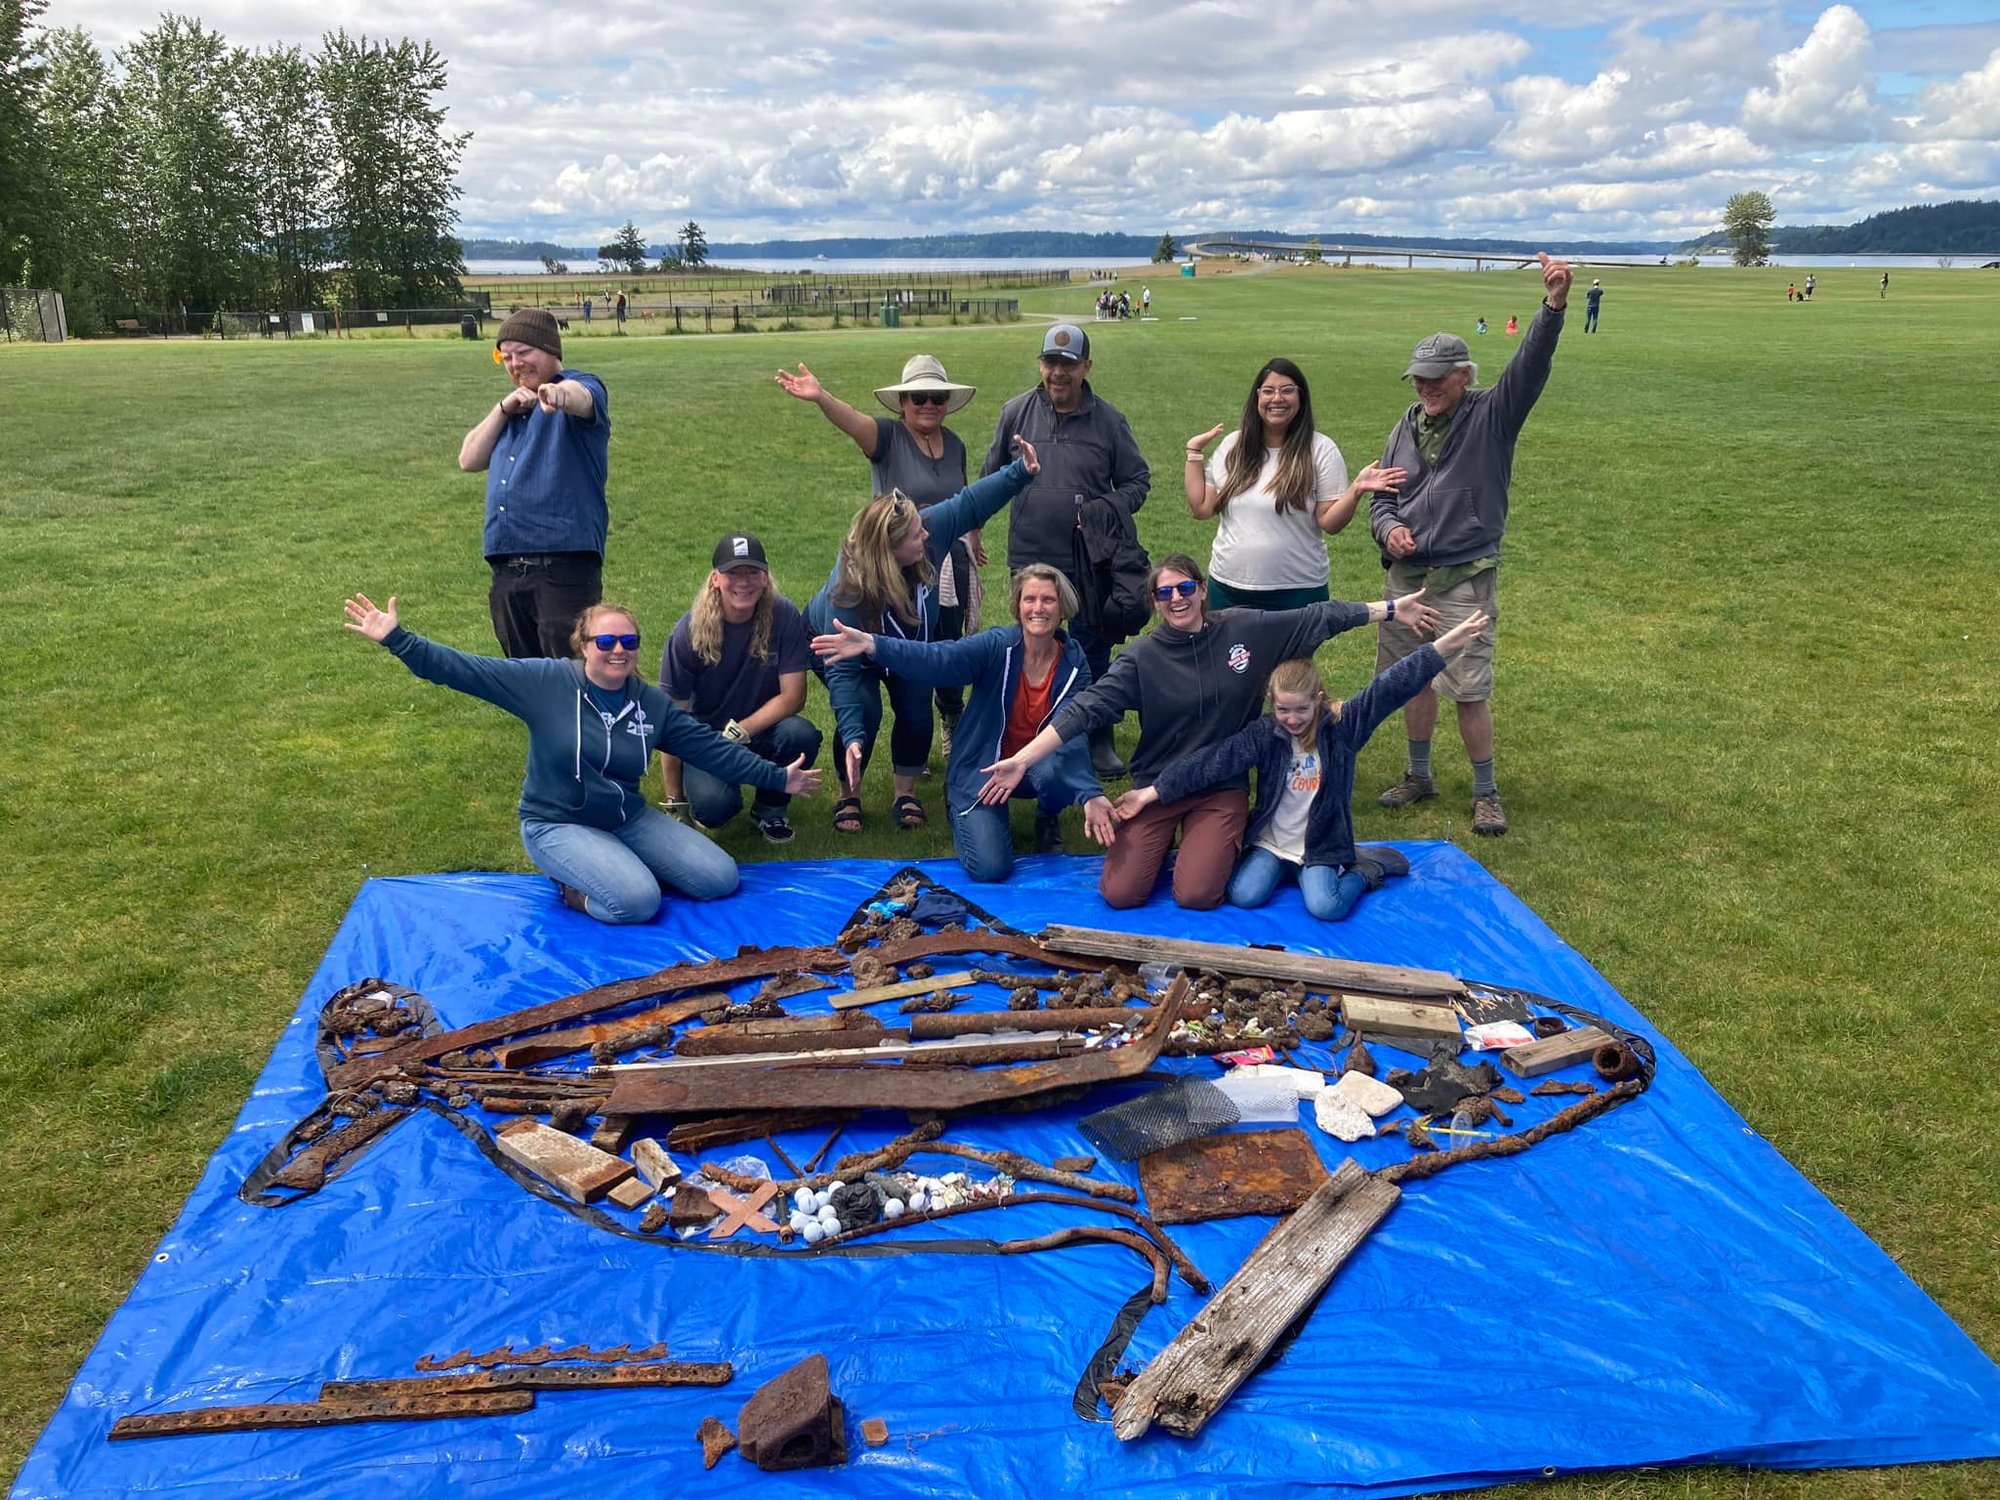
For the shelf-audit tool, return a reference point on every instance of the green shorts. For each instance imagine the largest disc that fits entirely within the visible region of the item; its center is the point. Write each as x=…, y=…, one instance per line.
x=1467, y=677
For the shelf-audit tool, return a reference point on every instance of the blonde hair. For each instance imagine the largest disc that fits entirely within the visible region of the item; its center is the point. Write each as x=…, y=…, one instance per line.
x=871, y=582
x=705, y=621
x=1066, y=600
x=1300, y=678
x=582, y=631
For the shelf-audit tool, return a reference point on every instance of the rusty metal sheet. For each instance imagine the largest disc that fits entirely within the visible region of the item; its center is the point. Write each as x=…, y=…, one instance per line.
x=318, y=1414
x=736, y=1038
x=751, y=1085
x=1226, y=1176
x=469, y=1382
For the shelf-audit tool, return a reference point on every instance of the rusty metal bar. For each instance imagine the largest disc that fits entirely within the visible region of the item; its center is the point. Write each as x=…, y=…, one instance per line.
x=317, y=1414
x=598, y=1377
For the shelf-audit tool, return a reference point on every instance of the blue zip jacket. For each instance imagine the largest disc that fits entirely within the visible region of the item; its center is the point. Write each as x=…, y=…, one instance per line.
x=947, y=521
x=580, y=769
x=990, y=663
x=1266, y=746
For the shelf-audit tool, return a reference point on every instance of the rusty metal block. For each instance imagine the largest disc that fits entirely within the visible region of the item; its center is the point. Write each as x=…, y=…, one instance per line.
x=1224, y=1176
x=794, y=1421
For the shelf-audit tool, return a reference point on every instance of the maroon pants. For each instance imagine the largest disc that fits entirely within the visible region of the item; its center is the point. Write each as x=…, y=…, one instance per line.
x=1211, y=829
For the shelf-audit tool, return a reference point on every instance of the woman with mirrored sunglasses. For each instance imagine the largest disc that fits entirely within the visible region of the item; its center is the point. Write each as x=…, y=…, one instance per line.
x=594, y=723
x=1194, y=679
x=1277, y=488
x=924, y=459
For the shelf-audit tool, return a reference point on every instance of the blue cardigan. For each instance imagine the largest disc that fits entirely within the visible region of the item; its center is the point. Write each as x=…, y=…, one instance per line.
x=948, y=520
x=990, y=662
x=1265, y=745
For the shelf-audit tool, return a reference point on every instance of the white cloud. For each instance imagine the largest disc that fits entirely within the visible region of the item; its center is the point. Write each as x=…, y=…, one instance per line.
x=1825, y=91
x=1967, y=109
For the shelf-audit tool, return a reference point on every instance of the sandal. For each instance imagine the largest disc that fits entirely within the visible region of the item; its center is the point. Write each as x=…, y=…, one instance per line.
x=847, y=815
x=907, y=811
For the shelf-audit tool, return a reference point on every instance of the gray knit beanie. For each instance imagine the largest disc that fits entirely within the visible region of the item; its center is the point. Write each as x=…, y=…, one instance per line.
x=533, y=326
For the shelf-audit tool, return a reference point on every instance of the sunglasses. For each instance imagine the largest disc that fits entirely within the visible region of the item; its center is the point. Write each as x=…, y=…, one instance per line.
x=927, y=398
x=607, y=642
x=1185, y=589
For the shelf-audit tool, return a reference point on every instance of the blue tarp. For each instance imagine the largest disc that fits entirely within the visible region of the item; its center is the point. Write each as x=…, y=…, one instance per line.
x=1658, y=1287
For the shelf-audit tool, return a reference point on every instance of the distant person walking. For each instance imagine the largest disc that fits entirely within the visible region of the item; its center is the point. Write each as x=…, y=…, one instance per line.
x=1885, y=285
x=1145, y=300
x=544, y=449
x=1811, y=282
x=1596, y=295
x=586, y=309
x=618, y=308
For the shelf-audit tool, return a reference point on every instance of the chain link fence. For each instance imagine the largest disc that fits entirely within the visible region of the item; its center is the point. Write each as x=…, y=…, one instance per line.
x=32, y=315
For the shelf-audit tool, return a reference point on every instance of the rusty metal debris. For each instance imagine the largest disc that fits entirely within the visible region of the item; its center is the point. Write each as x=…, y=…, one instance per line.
x=716, y=1440
x=1224, y=1176
x=308, y=1170
x=1557, y=1086
x=540, y=1354
x=794, y=1421
x=266, y=1415
x=587, y=1378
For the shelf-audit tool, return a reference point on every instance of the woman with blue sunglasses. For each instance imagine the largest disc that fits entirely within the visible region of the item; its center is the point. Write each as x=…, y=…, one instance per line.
x=594, y=724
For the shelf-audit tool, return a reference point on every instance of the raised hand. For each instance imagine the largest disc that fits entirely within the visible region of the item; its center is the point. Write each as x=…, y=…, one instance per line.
x=1556, y=277
x=1025, y=451
x=1461, y=635
x=1376, y=477
x=1100, y=822
x=844, y=644
x=1001, y=779
x=799, y=781
x=1203, y=439
x=554, y=396
x=805, y=385
x=364, y=618
x=517, y=400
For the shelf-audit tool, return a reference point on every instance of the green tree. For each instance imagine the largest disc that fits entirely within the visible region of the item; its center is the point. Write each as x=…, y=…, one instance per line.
x=553, y=267
x=626, y=252
x=82, y=243
x=285, y=154
x=693, y=243
x=394, y=201
x=1313, y=254
x=1165, y=252
x=670, y=258
x=23, y=192
x=188, y=186
x=1747, y=219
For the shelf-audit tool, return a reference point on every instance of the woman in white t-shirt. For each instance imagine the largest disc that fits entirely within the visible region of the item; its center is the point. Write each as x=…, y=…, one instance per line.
x=1279, y=487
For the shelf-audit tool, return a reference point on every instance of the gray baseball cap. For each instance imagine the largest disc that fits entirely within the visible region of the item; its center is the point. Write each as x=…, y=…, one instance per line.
x=1066, y=341
x=1438, y=355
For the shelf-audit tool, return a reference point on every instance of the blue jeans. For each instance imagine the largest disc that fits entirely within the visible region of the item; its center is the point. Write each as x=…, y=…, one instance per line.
x=622, y=873
x=714, y=801
x=1329, y=891
x=909, y=736
x=982, y=836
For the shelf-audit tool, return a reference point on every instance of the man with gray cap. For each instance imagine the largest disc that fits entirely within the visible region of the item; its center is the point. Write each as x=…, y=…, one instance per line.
x=1438, y=514
x=545, y=449
x=1089, y=464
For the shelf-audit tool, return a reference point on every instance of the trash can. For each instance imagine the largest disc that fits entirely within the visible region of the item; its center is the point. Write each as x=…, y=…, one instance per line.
x=468, y=326
x=892, y=315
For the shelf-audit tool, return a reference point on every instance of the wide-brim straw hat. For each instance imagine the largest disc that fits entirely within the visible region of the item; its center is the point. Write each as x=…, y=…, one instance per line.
x=922, y=372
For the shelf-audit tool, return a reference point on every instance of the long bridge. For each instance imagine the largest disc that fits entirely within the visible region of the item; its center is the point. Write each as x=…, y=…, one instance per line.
x=1345, y=254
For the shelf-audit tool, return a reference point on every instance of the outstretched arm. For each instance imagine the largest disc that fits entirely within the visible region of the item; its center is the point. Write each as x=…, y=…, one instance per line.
x=857, y=425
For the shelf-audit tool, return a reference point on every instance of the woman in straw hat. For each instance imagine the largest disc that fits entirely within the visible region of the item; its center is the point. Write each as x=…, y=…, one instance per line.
x=925, y=459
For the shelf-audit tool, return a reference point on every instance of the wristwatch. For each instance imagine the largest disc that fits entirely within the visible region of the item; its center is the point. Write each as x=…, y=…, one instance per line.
x=1390, y=605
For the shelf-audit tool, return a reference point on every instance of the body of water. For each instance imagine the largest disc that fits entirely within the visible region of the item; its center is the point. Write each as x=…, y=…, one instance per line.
x=856, y=266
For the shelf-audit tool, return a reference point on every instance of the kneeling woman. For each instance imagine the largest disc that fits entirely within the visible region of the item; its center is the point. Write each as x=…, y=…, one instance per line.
x=1020, y=675
x=883, y=583
x=592, y=727
x=1302, y=827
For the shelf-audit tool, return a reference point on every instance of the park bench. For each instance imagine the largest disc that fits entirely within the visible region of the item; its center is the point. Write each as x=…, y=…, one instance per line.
x=130, y=327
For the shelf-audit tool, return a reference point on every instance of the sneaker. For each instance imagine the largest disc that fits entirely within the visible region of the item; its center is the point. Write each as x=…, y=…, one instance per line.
x=773, y=824
x=1489, y=819
x=1410, y=789
x=1048, y=835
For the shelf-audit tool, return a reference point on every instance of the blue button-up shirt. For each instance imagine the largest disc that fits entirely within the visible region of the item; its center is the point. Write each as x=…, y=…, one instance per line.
x=545, y=482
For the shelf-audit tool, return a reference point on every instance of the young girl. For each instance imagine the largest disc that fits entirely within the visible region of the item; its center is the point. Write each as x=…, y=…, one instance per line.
x=1301, y=827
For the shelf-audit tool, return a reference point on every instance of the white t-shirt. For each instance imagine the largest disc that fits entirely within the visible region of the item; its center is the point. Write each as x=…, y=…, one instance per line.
x=1285, y=834
x=1256, y=547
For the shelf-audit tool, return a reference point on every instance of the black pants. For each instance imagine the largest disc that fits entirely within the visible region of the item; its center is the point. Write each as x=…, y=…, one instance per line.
x=535, y=600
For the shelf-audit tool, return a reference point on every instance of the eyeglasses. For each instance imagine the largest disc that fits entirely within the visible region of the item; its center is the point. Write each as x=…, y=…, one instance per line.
x=1275, y=391
x=1185, y=589
x=607, y=642
x=927, y=398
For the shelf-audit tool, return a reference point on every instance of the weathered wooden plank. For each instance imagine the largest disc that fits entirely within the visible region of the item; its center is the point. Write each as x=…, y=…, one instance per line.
x=1209, y=1358
x=1266, y=963
x=1430, y=1020
x=1533, y=1059
x=901, y=991
x=630, y=1193
x=575, y=1168
x=654, y=1164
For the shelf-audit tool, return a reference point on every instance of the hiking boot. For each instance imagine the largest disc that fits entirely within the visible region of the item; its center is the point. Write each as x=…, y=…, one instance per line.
x=1410, y=789
x=773, y=824
x=1048, y=835
x=1488, y=818
x=946, y=723
x=1104, y=757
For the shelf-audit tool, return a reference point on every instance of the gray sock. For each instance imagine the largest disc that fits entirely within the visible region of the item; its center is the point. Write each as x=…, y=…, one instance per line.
x=1482, y=778
x=1420, y=759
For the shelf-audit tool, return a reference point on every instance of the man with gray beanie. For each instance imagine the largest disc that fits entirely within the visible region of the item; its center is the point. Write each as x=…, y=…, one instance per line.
x=545, y=449
x=1438, y=513
x=1090, y=464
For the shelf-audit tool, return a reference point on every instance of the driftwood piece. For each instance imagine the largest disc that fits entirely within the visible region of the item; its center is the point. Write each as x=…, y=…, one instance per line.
x=1536, y=1058
x=1209, y=1358
x=1372, y=1015
x=1266, y=963
x=1021, y=1167
x=898, y=991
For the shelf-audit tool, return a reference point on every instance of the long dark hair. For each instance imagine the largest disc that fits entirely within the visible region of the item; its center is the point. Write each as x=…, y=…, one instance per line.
x=1297, y=475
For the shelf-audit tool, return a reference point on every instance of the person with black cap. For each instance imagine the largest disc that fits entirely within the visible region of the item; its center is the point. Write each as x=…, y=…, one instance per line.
x=737, y=661
x=545, y=449
x=1093, y=480
x=1438, y=512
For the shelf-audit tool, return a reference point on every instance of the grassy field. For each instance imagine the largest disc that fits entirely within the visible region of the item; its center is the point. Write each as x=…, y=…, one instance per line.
x=1744, y=733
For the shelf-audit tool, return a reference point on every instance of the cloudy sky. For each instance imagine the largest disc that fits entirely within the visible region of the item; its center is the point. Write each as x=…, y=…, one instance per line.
x=1602, y=119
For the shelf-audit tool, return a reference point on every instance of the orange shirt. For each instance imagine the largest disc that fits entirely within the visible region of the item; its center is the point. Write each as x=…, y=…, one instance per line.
x=1029, y=708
